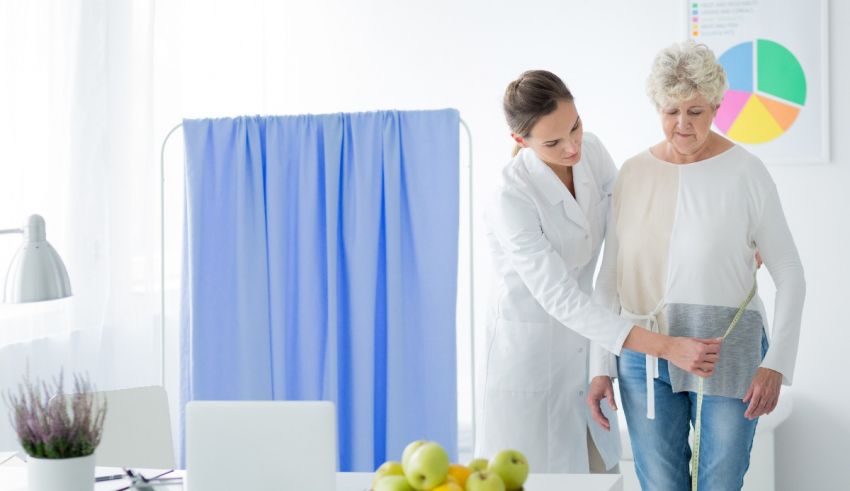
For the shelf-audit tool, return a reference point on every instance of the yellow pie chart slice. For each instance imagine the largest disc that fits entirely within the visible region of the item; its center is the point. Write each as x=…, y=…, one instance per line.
x=754, y=123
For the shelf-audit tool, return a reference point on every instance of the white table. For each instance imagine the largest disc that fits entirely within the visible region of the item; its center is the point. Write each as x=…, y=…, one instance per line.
x=360, y=481
x=13, y=477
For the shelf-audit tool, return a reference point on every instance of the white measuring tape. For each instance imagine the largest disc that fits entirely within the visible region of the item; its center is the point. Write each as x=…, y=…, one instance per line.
x=697, y=423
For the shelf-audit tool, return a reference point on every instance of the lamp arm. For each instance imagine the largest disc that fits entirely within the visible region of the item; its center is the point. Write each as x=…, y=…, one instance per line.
x=12, y=231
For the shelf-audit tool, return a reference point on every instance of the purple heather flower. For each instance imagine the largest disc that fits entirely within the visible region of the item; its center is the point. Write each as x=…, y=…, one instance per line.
x=51, y=425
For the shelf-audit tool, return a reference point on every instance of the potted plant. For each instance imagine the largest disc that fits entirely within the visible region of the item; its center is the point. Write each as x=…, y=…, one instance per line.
x=58, y=431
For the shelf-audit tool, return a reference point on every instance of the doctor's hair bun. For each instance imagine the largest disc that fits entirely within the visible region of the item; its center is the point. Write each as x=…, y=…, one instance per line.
x=531, y=96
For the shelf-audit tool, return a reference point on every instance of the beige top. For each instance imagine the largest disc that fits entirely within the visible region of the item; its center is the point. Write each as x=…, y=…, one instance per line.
x=643, y=228
x=684, y=237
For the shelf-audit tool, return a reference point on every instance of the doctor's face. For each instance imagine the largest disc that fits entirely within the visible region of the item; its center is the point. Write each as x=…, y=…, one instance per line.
x=556, y=138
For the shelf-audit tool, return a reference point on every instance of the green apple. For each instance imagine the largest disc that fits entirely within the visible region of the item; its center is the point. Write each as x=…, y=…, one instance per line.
x=512, y=467
x=389, y=468
x=392, y=483
x=409, y=449
x=428, y=467
x=478, y=465
x=484, y=481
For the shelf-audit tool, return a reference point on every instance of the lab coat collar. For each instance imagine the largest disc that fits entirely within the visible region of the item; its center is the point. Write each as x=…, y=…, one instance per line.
x=545, y=180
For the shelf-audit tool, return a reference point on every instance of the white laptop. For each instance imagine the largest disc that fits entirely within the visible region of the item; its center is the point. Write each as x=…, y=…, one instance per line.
x=273, y=445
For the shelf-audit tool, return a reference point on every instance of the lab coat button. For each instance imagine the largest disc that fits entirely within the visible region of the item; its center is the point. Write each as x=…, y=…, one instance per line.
x=581, y=393
x=581, y=350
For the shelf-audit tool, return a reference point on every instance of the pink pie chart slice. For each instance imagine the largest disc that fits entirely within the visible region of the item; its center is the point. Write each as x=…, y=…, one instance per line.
x=730, y=107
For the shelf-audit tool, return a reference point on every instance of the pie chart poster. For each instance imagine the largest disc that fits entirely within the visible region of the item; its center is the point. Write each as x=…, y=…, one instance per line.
x=776, y=59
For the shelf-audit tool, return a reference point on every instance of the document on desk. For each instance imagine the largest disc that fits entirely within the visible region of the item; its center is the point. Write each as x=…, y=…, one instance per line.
x=13, y=471
x=13, y=478
x=11, y=458
x=112, y=478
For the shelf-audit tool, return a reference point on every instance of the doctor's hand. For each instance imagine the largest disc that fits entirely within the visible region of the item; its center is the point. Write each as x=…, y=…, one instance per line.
x=601, y=388
x=763, y=394
x=696, y=356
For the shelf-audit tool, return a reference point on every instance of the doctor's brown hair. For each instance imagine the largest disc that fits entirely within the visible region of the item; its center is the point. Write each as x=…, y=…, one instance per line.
x=533, y=95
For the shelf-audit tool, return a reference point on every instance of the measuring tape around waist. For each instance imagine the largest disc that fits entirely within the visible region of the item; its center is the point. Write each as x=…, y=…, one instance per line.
x=698, y=421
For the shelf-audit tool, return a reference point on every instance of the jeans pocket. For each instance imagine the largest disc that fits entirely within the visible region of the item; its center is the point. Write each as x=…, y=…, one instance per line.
x=631, y=364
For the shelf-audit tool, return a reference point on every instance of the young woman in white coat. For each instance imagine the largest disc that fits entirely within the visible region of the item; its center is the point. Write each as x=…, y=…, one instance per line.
x=545, y=226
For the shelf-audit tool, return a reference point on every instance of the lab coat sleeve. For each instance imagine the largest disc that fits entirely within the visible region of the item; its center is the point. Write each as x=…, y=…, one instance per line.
x=516, y=224
x=601, y=361
x=779, y=253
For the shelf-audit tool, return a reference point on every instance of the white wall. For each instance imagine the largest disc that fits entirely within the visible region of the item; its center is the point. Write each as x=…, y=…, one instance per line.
x=332, y=55
x=813, y=446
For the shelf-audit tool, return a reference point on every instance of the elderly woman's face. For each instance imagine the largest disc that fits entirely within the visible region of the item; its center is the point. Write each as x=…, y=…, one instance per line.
x=556, y=137
x=687, y=124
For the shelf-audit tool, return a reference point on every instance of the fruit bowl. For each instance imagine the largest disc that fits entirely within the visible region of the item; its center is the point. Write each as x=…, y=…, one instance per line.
x=425, y=466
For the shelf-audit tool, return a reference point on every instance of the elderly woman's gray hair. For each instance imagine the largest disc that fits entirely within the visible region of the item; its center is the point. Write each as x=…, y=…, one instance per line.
x=685, y=70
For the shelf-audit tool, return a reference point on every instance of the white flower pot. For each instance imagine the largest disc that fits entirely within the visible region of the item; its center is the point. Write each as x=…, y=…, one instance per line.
x=75, y=474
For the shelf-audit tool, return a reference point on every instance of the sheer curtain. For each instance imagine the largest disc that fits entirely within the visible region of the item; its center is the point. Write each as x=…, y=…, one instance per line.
x=78, y=141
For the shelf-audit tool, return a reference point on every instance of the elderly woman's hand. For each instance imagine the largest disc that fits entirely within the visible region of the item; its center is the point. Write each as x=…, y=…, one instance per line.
x=763, y=394
x=601, y=388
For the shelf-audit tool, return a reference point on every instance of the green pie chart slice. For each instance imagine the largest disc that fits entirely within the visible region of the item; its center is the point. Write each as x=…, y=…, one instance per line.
x=779, y=74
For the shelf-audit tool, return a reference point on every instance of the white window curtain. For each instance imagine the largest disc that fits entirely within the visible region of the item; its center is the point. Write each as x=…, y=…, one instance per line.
x=78, y=145
x=88, y=89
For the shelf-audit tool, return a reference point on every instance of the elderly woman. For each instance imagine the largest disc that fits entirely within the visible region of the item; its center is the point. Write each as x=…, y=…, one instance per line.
x=689, y=214
x=545, y=228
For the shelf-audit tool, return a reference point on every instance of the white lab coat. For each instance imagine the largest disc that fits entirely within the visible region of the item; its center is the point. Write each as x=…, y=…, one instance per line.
x=545, y=245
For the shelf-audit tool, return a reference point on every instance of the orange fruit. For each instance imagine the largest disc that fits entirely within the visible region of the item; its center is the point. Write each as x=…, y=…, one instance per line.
x=449, y=485
x=460, y=473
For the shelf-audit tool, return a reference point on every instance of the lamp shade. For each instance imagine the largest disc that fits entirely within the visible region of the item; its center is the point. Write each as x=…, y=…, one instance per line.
x=36, y=273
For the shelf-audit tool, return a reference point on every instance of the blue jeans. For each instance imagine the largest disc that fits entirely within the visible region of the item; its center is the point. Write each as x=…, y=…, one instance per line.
x=660, y=446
